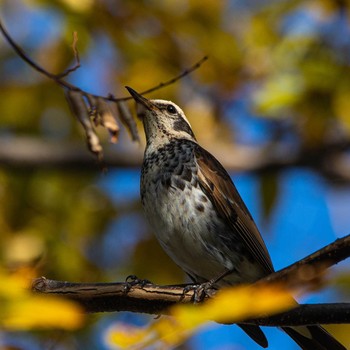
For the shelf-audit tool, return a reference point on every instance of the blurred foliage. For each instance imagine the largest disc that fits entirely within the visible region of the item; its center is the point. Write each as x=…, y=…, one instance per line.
x=22, y=310
x=287, y=60
x=231, y=305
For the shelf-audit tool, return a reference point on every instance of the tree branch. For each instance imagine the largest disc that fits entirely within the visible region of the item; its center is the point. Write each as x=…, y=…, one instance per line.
x=155, y=299
x=93, y=110
x=328, y=159
x=312, y=265
x=308, y=314
x=57, y=78
x=76, y=57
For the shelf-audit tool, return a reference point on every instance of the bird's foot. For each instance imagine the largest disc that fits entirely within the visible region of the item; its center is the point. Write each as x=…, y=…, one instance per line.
x=205, y=289
x=132, y=281
x=200, y=291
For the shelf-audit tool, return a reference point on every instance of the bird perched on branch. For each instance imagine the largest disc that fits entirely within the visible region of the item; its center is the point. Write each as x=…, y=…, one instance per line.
x=198, y=215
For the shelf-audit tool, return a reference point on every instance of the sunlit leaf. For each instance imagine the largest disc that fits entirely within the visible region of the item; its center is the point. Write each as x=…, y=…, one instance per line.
x=41, y=312
x=21, y=309
x=228, y=306
x=125, y=335
x=234, y=304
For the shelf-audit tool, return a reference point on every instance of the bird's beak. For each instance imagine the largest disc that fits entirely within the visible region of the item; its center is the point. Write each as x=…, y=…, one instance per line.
x=143, y=103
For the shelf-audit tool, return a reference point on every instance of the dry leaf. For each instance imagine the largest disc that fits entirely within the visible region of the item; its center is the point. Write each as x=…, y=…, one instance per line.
x=128, y=120
x=92, y=100
x=79, y=109
x=108, y=118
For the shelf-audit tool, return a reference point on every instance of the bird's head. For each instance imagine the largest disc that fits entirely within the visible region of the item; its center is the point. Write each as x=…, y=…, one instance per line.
x=162, y=120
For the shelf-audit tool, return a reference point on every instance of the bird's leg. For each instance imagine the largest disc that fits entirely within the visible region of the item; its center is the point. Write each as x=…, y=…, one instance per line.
x=202, y=290
x=133, y=280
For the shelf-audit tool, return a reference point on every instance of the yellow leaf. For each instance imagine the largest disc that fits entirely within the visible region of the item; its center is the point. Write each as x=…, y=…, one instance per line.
x=230, y=305
x=170, y=331
x=234, y=304
x=12, y=287
x=125, y=335
x=21, y=309
x=42, y=312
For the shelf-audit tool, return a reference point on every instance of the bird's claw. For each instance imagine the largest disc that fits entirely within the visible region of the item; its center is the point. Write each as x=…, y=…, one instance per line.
x=133, y=280
x=200, y=291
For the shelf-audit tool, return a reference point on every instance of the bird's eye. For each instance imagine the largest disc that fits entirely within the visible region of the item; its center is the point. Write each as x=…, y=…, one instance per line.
x=171, y=109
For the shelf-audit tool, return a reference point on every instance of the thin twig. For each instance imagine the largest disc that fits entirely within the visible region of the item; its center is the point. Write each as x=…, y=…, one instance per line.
x=76, y=57
x=33, y=64
x=180, y=76
x=57, y=78
x=110, y=97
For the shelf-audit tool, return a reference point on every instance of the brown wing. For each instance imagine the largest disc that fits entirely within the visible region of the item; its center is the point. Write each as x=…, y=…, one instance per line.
x=223, y=194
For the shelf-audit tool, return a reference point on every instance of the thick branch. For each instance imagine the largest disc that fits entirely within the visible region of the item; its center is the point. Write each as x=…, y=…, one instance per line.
x=307, y=314
x=107, y=297
x=154, y=299
x=312, y=265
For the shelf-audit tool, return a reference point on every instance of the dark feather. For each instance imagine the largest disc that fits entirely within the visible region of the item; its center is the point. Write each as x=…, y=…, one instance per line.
x=319, y=338
x=218, y=186
x=255, y=333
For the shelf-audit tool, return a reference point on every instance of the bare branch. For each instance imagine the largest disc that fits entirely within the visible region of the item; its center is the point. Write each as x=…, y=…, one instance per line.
x=313, y=265
x=57, y=78
x=308, y=314
x=100, y=106
x=155, y=299
x=102, y=297
x=76, y=57
x=180, y=76
x=20, y=52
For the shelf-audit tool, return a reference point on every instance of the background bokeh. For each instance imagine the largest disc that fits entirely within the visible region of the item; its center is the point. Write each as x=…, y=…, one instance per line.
x=272, y=103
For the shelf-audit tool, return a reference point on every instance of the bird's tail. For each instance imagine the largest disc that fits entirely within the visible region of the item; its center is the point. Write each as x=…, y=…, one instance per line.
x=313, y=338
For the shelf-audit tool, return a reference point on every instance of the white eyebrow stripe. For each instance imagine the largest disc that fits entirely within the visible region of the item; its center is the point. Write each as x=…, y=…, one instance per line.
x=163, y=103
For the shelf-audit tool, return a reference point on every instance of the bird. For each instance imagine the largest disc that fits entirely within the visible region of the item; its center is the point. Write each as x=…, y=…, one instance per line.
x=198, y=216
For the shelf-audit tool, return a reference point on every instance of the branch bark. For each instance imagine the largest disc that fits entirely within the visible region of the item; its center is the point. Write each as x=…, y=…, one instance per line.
x=155, y=299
